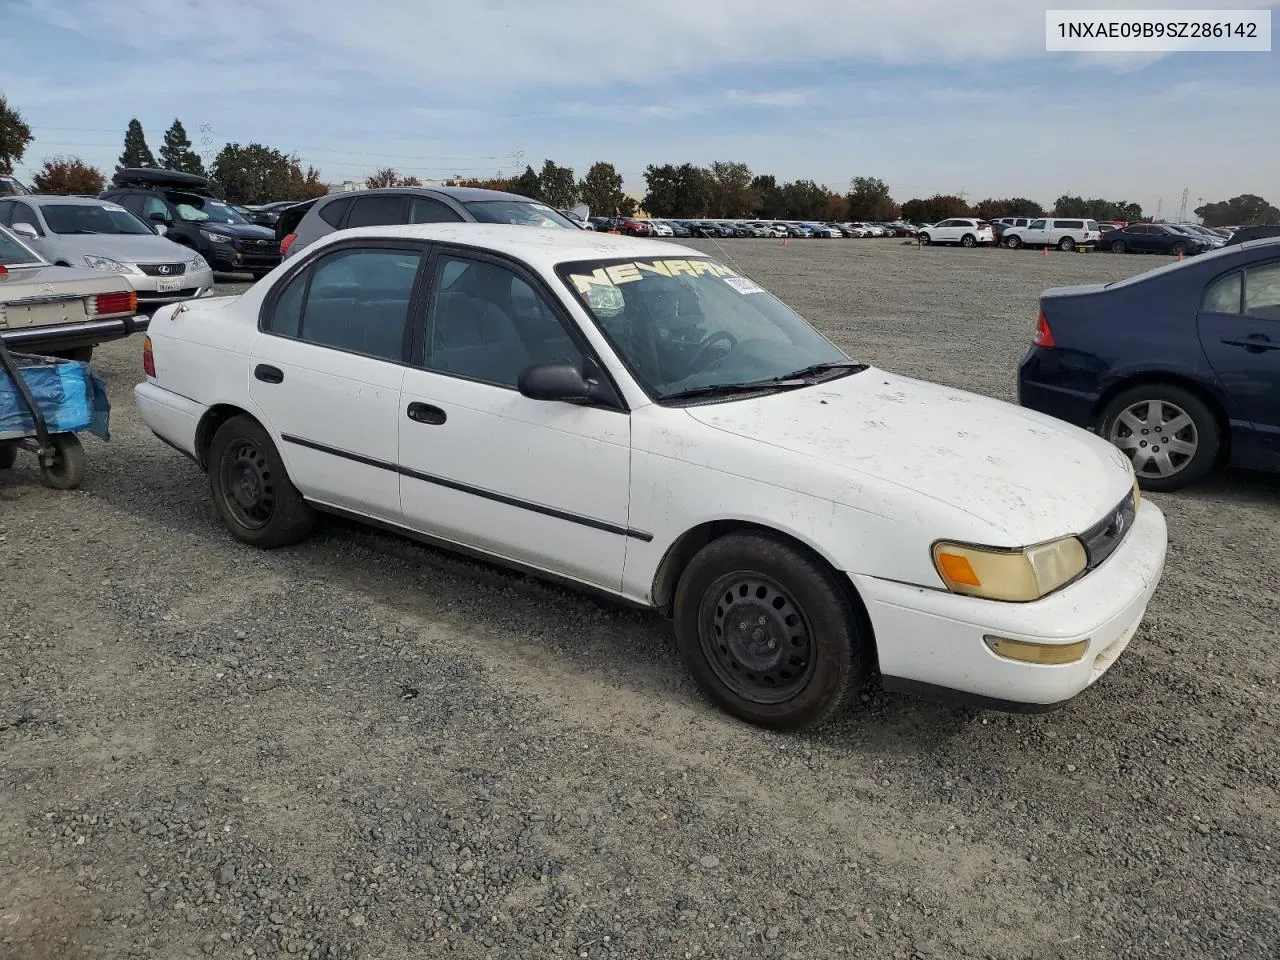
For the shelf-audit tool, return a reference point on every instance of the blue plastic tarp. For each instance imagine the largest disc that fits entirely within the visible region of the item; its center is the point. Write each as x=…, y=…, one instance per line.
x=69, y=394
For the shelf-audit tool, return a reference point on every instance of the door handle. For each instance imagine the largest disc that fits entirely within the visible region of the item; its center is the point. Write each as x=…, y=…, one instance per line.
x=426, y=413
x=268, y=374
x=1257, y=344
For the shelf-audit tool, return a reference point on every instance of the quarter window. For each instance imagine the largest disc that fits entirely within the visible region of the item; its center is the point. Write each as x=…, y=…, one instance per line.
x=355, y=300
x=1069, y=224
x=489, y=324
x=333, y=211
x=1223, y=295
x=377, y=211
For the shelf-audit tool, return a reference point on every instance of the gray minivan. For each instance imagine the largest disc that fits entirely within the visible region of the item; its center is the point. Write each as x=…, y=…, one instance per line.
x=305, y=223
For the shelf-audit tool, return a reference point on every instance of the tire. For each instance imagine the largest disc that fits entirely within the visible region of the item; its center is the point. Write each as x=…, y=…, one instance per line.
x=809, y=675
x=251, y=489
x=258, y=274
x=1066, y=244
x=968, y=240
x=1178, y=249
x=1117, y=246
x=924, y=239
x=67, y=470
x=1157, y=465
x=1014, y=242
x=8, y=455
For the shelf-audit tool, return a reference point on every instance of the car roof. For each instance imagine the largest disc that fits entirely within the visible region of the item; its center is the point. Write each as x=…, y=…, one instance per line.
x=457, y=193
x=539, y=246
x=44, y=200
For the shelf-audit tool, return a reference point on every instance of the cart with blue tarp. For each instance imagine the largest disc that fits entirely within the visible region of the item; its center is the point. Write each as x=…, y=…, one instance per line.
x=44, y=403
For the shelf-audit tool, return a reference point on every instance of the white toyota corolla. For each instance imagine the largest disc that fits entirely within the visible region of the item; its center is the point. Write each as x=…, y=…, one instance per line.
x=635, y=417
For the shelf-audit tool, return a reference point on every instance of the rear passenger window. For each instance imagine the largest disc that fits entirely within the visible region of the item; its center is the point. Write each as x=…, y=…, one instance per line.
x=1223, y=295
x=377, y=211
x=333, y=212
x=354, y=300
x=426, y=210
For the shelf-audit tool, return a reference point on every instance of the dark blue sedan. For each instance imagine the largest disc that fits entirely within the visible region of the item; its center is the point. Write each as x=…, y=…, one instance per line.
x=1179, y=367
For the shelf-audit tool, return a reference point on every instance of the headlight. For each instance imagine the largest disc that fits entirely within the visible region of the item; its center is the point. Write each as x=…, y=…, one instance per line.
x=216, y=237
x=108, y=265
x=1017, y=576
x=197, y=263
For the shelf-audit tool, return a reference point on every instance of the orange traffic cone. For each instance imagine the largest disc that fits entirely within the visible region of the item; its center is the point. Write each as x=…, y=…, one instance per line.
x=784, y=241
x=1044, y=251
x=1179, y=256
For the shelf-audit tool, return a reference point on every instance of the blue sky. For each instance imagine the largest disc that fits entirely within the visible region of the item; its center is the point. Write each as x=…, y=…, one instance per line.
x=930, y=95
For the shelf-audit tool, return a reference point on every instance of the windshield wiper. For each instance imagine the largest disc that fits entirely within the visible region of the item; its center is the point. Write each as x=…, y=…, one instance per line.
x=729, y=389
x=812, y=371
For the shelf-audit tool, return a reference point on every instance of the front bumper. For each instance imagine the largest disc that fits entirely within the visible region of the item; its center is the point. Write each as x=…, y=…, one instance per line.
x=68, y=336
x=196, y=283
x=932, y=641
x=229, y=259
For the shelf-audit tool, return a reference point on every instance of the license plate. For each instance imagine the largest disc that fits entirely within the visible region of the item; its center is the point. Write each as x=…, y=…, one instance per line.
x=41, y=314
x=168, y=286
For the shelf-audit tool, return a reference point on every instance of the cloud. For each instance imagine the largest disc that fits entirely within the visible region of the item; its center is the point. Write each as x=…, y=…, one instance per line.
x=515, y=45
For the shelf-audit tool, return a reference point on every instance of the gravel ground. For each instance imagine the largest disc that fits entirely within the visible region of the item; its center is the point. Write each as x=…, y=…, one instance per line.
x=360, y=747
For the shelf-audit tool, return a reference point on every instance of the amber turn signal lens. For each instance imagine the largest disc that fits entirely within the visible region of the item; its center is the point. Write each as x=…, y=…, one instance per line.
x=1045, y=654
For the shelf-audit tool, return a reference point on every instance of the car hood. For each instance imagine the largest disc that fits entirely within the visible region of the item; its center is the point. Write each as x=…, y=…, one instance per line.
x=1029, y=476
x=241, y=231
x=127, y=248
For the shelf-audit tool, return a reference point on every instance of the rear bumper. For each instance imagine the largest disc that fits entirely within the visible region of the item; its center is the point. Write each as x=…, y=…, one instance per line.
x=933, y=641
x=171, y=417
x=1040, y=387
x=68, y=336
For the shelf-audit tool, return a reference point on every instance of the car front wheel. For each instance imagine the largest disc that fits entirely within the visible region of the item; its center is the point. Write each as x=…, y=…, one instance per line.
x=1169, y=434
x=1013, y=243
x=924, y=239
x=1117, y=246
x=250, y=488
x=768, y=633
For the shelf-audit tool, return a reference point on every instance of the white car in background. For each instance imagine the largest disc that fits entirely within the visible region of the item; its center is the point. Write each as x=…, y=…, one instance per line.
x=621, y=414
x=87, y=232
x=966, y=231
x=661, y=229
x=1065, y=233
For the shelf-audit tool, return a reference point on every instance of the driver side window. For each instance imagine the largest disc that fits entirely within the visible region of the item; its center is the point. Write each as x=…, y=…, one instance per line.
x=1036, y=225
x=487, y=323
x=155, y=205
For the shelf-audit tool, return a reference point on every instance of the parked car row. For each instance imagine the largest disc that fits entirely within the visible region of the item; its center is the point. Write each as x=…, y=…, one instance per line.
x=1068, y=233
x=744, y=229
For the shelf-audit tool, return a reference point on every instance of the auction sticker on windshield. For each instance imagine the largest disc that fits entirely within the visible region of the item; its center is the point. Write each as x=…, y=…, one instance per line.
x=744, y=285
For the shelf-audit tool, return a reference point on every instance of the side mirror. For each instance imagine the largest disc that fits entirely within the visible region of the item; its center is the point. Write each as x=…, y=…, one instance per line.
x=558, y=380
x=161, y=229
x=25, y=230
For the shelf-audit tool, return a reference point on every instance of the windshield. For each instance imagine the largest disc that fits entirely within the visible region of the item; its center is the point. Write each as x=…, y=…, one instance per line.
x=14, y=252
x=196, y=209
x=527, y=213
x=681, y=325
x=90, y=218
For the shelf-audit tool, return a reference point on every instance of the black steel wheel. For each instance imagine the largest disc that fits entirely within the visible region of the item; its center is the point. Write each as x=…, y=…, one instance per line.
x=755, y=638
x=251, y=489
x=769, y=632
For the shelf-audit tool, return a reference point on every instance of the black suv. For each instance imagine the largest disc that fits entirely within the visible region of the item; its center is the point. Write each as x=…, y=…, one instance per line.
x=182, y=204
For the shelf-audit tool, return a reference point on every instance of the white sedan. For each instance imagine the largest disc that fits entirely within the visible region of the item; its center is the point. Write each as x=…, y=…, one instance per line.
x=637, y=418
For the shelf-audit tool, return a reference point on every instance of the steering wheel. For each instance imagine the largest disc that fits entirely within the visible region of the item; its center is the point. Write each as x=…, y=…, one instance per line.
x=705, y=346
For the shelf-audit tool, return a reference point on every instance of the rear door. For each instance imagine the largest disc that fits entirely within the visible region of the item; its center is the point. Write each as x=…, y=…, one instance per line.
x=1239, y=326
x=327, y=367
x=379, y=210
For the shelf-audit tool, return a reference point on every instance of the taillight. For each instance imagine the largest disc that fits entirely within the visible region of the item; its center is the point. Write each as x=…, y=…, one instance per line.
x=108, y=303
x=148, y=358
x=286, y=243
x=1044, y=336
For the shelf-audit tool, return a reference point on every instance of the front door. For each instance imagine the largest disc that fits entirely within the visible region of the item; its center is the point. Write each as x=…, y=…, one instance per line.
x=1240, y=332
x=1036, y=234
x=327, y=368
x=542, y=483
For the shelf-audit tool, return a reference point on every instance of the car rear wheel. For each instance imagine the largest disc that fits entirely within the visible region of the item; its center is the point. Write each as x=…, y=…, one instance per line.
x=1169, y=434
x=1117, y=246
x=768, y=633
x=1067, y=244
x=968, y=240
x=251, y=489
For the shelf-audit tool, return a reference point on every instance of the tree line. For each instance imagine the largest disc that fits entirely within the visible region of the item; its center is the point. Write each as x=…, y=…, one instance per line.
x=256, y=173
